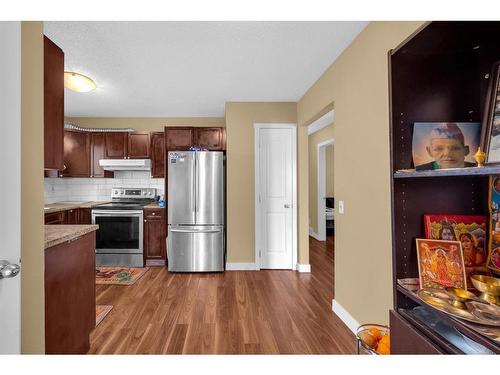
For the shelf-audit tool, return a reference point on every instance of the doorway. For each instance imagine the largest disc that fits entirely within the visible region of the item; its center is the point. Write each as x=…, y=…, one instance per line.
x=325, y=189
x=275, y=196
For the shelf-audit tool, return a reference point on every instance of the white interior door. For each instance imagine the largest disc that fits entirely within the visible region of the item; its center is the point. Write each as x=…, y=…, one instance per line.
x=275, y=170
x=10, y=187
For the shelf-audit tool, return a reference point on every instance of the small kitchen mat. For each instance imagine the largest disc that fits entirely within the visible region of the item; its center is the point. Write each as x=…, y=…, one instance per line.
x=118, y=275
x=100, y=313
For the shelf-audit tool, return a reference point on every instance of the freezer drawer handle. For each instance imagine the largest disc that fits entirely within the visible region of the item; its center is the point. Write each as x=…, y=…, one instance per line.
x=195, y=231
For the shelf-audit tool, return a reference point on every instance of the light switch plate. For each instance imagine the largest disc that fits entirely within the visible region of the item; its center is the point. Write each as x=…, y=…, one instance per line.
x=341, y=207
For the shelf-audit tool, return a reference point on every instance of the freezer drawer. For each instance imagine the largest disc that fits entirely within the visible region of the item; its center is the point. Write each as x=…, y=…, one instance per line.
x=195, y=249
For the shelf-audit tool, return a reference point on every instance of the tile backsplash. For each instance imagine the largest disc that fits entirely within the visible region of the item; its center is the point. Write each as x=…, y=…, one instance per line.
x=98, y=189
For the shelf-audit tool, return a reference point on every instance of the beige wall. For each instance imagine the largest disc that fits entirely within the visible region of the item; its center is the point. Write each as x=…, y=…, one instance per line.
x=32, y=229
x=144, y=123
x=240, y=118
x=314, y=139
x=357, y=84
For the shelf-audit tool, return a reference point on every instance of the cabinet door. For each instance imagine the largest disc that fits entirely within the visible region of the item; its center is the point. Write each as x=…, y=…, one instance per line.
x=56, y=218
x=53, y=114
x=76, y=154
x=158, y=154
x=84, y=216
x=178, y=138
x=72, y=216
x=210, y=138
x=154, y=238
x=115, y=145
x=97, y=147
x=138, y=145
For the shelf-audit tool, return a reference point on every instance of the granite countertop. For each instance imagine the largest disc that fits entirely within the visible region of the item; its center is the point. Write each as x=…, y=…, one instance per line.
x=57, y=234
x=64, y=206
x=153, y=205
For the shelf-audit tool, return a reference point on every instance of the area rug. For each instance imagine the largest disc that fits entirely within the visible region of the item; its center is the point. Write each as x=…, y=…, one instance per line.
x=118, y=275
x=100, y=313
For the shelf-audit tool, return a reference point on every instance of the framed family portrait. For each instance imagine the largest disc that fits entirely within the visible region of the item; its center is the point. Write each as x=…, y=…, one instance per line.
x=491, y=123
x=444, y=145
x=440, y=264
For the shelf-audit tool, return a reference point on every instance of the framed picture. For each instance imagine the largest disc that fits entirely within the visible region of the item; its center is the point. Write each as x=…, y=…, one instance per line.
x=493, y=261
x=443, y=145
x=440, y=264
x=491, y=123
x=469, y=230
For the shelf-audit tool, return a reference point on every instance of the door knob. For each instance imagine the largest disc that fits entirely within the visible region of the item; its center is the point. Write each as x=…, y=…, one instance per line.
x=8, y=270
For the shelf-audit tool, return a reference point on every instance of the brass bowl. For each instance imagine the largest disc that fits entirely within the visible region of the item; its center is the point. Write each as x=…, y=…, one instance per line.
x=459, y=296
x=488, y=286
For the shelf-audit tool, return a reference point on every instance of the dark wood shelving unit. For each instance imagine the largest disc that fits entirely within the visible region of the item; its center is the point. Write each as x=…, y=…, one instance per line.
x=476, y=171
x=440, y=74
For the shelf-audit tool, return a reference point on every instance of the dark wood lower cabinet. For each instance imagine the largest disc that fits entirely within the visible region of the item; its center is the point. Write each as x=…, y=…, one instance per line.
x=155, y=235
x=73, y=217
x=405, y=339
x=84, y=216
x=56, y=218
x=70, y=295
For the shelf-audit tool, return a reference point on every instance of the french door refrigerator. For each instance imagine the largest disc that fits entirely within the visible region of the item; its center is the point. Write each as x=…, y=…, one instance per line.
x=196, y=233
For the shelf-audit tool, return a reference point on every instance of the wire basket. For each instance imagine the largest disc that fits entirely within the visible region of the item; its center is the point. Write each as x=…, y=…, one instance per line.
x=365, y=328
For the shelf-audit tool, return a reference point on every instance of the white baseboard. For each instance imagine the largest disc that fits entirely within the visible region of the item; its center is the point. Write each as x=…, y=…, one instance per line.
x=344, y=315
x=303, y=267
x=240, y=267
x=313, y=234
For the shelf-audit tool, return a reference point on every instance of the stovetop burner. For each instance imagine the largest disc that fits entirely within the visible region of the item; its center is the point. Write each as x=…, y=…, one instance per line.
x=129, y=199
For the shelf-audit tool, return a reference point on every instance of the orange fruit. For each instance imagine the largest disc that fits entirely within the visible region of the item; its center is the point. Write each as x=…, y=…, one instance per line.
x=383, y=348
x=376, y=333
x=368, y=339
x=385, y=340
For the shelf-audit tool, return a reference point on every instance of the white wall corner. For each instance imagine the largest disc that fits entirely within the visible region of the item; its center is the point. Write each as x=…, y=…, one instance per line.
x=303, y=267
x=344, y=315
x=241, y=267
x=313, y=234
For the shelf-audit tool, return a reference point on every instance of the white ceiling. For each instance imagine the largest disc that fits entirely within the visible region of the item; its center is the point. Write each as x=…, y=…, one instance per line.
x=182, y=69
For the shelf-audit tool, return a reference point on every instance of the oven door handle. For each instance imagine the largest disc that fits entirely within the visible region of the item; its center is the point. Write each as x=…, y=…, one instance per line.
x=116, y=213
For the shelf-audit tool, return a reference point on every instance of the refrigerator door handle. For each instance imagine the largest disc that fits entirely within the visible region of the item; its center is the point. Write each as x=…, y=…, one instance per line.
x=196, y=231
x=194, y=186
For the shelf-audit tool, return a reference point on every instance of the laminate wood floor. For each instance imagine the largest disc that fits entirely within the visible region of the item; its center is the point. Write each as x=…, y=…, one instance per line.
x=235, y=312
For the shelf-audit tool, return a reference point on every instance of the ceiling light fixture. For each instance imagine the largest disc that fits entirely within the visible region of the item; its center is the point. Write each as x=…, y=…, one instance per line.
x=78, y=82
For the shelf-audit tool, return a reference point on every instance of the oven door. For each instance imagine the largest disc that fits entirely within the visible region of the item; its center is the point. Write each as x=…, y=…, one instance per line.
x=120, y=231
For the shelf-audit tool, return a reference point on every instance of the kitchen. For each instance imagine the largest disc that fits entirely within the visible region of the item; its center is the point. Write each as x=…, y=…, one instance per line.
x=105, y=189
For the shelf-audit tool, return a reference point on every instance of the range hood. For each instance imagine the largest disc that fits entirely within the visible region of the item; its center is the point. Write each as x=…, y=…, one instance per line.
x=125, y=164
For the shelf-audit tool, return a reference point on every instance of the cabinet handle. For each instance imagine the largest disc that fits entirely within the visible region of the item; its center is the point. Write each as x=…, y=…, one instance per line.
x=145, y=221
x=153, y=213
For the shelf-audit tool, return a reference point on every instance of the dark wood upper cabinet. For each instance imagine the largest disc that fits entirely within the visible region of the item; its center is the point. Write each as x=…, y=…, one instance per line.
x=138, y=145
x=115, y=145
x=53, y=86
x=157, y=154
x=178, y=138
x=76, y=154
x=210, y=138
x=97, y=149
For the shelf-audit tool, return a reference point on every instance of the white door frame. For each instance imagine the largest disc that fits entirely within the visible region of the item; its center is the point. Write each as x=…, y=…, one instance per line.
x=257, y=128
x=322, y=188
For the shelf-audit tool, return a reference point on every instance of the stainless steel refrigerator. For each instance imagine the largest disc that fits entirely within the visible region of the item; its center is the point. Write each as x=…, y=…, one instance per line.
x=196, y=232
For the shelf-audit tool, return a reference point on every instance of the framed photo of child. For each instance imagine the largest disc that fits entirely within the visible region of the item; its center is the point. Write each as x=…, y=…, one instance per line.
x=440, y=264
x=443, y=145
